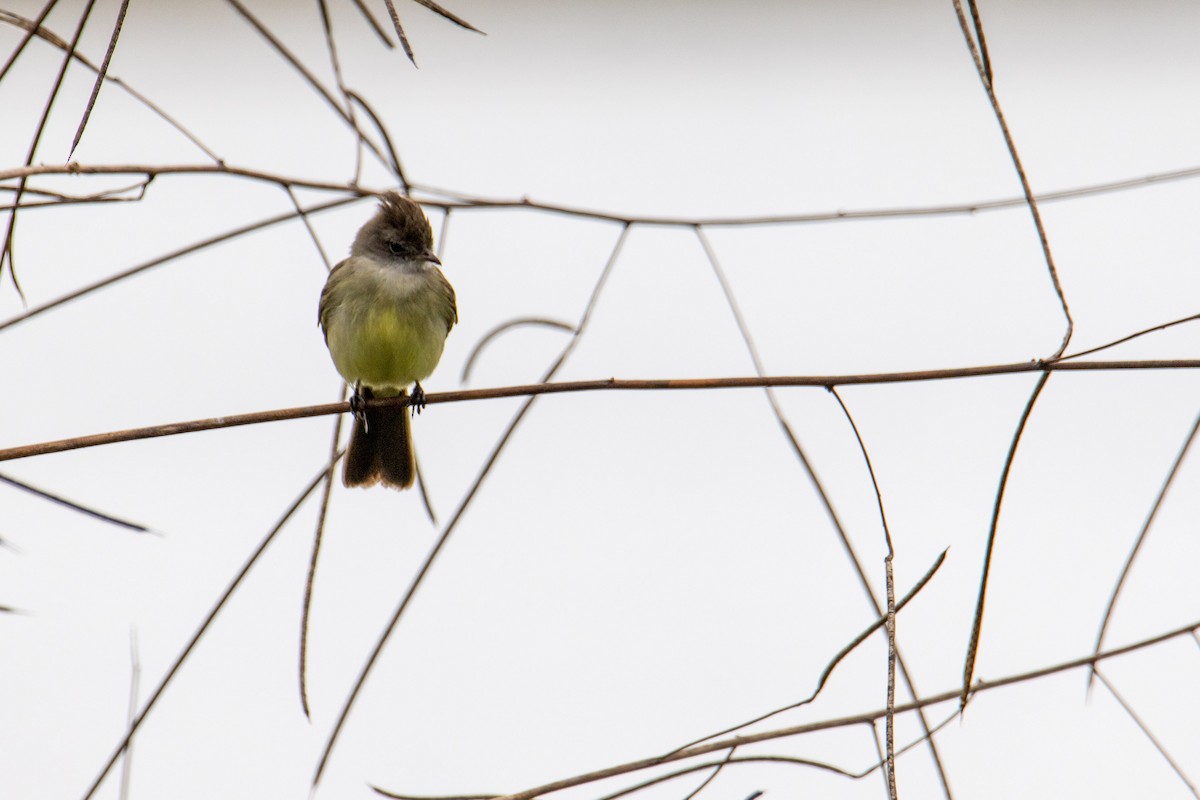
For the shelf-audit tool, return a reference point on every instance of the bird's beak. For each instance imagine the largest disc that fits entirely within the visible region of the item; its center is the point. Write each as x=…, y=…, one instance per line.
x=429, y=255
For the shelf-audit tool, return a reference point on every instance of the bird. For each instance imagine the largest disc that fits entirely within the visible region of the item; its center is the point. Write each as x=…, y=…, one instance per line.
x=385, y=313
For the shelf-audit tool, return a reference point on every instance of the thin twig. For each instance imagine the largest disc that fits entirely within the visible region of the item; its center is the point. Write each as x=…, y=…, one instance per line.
x=135, y=677
x=396, y=167
x=917, y=742
x=53, y=199
x=504, y=327
x=891, y=681
x=881, y=757
x=714, y=765
x=62, y=501
x=336, y=64
x=373, y=23
x=155, y=170
x=1131, y=337
x=108, y=54
x=862, y=448
x=711, y=776
x=981, y=41
x=660, y=384
x=457, y=20
x=1162, y=751
x=717, y=766
x=447, y=198
x=400, y=31
x=1141, y=537
x=958, y=209
x=318, y=533
x=312, y=232
x=989, y=549
x=889, y=732
x=984, y=69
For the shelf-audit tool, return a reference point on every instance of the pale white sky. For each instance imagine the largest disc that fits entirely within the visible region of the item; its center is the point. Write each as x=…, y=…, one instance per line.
x=639, y=569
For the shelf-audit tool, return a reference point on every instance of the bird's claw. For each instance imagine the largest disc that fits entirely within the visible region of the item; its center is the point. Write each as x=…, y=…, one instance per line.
x=358, y=405
x=417, y=399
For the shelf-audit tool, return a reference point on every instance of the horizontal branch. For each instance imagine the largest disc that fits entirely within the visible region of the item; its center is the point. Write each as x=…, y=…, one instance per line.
x=460, y=200
x=662, y=384
x=154, y=170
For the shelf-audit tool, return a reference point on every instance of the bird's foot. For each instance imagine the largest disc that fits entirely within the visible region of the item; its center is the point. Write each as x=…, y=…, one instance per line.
x=358, y=403
x=417, y=399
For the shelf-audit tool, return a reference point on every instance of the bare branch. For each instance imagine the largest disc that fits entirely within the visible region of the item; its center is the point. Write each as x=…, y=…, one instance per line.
x=457, y=20
x=373, y=23
x=659, y=384
x=108, y=54
x=62, y=501
x=1131, y=337
x=135, y=679
x=977, y=623
x=1141, y=537
x=984, y=68
x=504, y=327
x=447, y=198
x=400, y=31
x=971, y=208
x=890, y=732
x=318, y=534
x=1137, y=720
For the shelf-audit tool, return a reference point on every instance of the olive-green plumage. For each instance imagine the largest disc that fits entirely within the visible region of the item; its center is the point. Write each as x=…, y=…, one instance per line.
x=386, y=311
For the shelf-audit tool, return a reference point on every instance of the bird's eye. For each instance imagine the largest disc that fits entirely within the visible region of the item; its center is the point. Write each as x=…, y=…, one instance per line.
x=396, y=248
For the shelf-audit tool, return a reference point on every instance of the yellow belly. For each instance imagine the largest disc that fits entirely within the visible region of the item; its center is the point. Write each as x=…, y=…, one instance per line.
x=386, y=348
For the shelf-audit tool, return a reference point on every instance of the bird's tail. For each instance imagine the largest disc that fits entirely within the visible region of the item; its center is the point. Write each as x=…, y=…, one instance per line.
x=380, y=448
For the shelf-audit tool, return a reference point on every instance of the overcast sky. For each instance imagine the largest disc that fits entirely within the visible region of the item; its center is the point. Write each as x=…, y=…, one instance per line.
x=638, y=569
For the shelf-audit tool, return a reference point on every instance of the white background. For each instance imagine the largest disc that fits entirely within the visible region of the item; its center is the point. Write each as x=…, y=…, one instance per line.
x=639, y=569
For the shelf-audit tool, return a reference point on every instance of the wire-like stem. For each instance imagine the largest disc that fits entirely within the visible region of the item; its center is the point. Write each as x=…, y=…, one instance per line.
x=100, y=75
x=1145, y=729
x=1142, y=535
x=983, y=67
x=890, y=723
x=82, y=509
x=990, y=547
x=318, y=535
